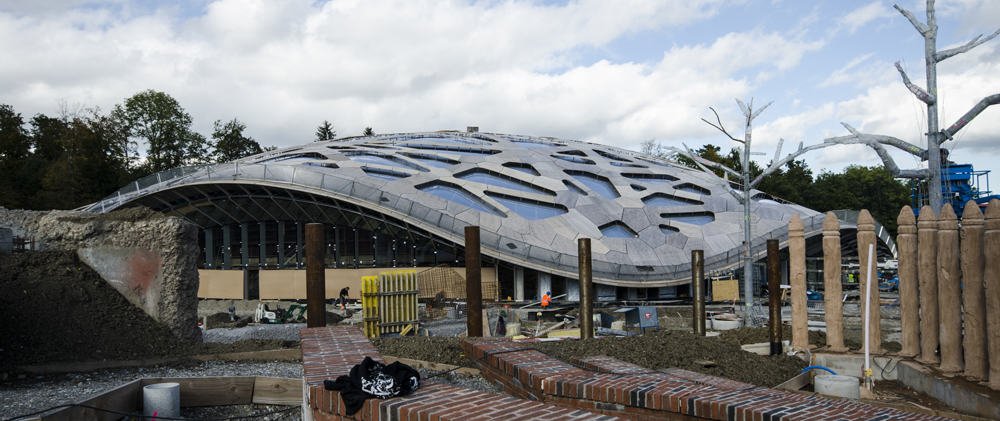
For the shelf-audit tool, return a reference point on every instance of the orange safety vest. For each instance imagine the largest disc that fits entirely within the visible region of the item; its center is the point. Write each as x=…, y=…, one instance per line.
x=545, y=300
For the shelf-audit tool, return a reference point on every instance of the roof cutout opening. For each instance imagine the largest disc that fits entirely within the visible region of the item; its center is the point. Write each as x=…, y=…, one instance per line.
x=432, y=160
x=612, y=156
x=667, y=229
x=627, y=165
x=637, y=187
x=663, y=199
x=321, y=164
x=522, y=167
x=379, y=158
x=693, y=188
x=654, y=162
x=528, y=209
x=450, y=140
x=286, y=157
x=693, y=218
x=459, y=195
x=532, y=143
x=384, y=174
x=484, y=176
x=574, y=159
x=454, y=149
x=597, y=183
x=651, y=178
x=574, y=188
x=573, y=152
x=617, y=229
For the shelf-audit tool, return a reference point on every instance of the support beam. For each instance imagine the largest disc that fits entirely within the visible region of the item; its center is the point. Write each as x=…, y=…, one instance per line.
x=774, y=295
x=586, y=291
x=473, y=282
x=315, y=277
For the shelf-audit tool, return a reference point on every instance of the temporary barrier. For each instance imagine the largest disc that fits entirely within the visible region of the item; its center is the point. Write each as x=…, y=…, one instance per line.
x=389, y=302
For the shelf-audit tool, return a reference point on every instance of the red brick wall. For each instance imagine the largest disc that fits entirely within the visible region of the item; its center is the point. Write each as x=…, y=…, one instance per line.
x=606, y=386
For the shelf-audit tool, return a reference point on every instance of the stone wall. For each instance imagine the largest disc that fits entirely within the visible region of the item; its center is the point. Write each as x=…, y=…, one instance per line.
x=149, y=258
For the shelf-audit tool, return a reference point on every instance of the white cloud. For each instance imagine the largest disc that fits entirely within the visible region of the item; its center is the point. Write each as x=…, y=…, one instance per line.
x=863, y=15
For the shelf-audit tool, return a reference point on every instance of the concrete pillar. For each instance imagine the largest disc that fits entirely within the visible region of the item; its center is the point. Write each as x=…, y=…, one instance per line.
x=584, y=256
x=315, y=277
x=518, y=284
x=209, y=249
x=797, y=279
x=973, y=299
x=572, y=290
x=834, y=307
x=281, y=244
x=244, y=246
x=262, y=260
x=544, y=283
x=949, y=292
x=991, y=288
x=299, y=238
x=909, y=306
x=227, y=250
x=927, y=274
x=866, y=239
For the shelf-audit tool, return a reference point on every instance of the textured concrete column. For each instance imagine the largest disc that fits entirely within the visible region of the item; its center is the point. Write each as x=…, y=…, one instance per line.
x=909, y=306
x=867, y=238
x=833, y=307
x=927, y=267
x=949, y=292
x=991, y=287
x=973, y=299
x=797, y=279
x=774, y=295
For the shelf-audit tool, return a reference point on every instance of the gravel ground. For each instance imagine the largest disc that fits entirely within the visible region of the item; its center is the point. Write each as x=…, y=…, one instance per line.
x=39, y=392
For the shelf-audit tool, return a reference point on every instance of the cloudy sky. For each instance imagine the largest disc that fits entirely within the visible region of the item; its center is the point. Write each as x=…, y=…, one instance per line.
x=612, y=72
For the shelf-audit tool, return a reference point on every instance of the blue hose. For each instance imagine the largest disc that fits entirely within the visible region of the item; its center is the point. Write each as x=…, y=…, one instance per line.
x=818, y=366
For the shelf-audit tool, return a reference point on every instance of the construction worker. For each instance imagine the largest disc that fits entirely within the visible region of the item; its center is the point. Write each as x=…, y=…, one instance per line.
x=546, y=299
x=343, y=298
x=439, y=299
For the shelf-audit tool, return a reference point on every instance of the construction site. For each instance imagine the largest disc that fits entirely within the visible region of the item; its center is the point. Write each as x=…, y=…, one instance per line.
x=116, y=294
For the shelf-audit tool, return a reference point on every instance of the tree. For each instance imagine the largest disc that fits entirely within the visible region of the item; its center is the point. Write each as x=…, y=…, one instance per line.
x=15, y=147
x=325, y=131
x=745, y=173
x=935, y=136
x=368, y=132
x=229, y=142
x=159, y=120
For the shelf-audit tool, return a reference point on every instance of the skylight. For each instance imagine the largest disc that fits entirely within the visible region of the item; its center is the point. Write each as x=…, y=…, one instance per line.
x=432, y=160
x=651, y=178
x=663, y=199
x=384, y=174
x=491, y=178
x=693, y=218
x=458, y=195
x=528, y=209
x=692, y=188
x=379, y=158
x=522, y=167
x=597, y=183
x=617, y=229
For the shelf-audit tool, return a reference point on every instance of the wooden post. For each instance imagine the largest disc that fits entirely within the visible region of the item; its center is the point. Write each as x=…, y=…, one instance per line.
x=315, y=277
x=797, y=279
x=867, y=238
x=949, y=292
x=586, y=290
x=991, y=287
x=973, y=298
x=473, y=283
x=697, y=291
x=774, y=295
x=909, y=306
x=834, y=307
x=927, y=266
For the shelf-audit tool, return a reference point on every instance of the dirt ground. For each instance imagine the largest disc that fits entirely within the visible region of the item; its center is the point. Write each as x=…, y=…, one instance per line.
x=56, y=309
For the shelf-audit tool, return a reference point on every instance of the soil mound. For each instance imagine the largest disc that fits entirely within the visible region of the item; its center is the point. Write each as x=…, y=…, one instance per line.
x=57, y=309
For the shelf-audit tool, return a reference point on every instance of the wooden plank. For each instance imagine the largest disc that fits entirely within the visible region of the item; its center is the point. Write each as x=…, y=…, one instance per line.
x=274, y=354
x=122, y=399
x=431, y=366
x=210, y=391
x=277, y=391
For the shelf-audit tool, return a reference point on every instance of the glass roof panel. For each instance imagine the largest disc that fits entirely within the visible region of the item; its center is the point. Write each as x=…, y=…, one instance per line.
x=667, y=229
x=576, y=189
x=617, y=229
x=493, y=179
x=454, y=149
x=384, y=174
x=574, y=159
x=525, y=168
x=661, y=199
x=599, y=185
x=459, y=196
x=529, y=209
x=431, y=160
x=690, y=218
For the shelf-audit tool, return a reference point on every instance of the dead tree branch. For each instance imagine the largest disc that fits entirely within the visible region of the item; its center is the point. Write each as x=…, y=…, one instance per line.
x=971, y=114
x=923, y=29
x=975, y=42
x=720, y=126
x=917, y=91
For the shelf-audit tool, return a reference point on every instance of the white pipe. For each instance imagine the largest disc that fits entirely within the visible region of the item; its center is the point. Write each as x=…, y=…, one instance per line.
x=868, y=300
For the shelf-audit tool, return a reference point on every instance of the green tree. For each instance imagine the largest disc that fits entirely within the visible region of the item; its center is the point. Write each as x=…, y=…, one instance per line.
x=15, y=147
x=230, y=143
x=160, y=121
x=325, y=131
x=859, y=187
x=368, y=132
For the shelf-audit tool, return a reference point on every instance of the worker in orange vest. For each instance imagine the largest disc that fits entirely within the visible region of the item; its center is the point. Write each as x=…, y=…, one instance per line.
x=546, y=299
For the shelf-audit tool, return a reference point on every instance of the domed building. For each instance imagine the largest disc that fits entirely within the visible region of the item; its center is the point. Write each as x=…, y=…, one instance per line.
x=403, y=201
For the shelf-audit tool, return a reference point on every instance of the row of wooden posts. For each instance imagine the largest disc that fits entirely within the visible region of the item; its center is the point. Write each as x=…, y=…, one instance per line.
x=949, y=288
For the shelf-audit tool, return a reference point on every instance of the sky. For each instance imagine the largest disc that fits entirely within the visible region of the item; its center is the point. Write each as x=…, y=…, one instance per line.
x=609, y=72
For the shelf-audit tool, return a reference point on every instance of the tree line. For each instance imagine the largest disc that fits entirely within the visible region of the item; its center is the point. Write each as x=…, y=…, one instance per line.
x=82, y=155
x=856, y=187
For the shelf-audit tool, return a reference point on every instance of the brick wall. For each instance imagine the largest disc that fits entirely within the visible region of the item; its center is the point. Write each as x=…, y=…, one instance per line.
x=329, y=352
x=609, y=387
